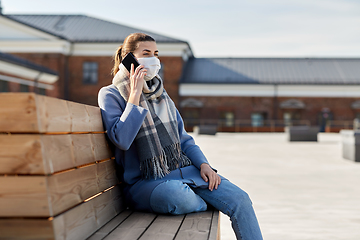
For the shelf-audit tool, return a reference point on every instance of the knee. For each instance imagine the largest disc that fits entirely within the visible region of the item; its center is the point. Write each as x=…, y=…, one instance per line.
x=243, y=197
x=175, y=197
x=239, y=202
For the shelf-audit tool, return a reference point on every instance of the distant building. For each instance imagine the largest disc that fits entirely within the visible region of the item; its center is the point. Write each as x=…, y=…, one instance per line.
x=70, y=57
x=80, y=49
x=265, y=94
x=20, y=75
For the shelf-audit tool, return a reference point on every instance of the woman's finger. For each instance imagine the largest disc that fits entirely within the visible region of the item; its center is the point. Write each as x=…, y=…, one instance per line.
x=132, y=70
x=211, y=182
x=218, y=181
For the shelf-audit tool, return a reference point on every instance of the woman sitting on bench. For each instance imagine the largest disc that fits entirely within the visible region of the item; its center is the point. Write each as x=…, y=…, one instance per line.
x=163, y=169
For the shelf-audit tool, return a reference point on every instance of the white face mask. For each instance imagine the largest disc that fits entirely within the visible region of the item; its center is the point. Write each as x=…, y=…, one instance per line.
x=152, y=65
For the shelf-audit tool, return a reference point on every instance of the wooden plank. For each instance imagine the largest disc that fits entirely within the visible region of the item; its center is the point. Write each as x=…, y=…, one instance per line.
x=110, y=226
x=23, y=196
x=96, y=124
x=79, y=117
x=195, y=226
x=21, y=154
x=51, y=195
x=132, y=227
x=101, y=146
x=215, y=226
x=18, y=111
x=57, y=152
x=29, y=112
x=46, y=154
x=77, y=223
x=82, y=221
x=29, y=229
x=164, y=227
x=53, y=115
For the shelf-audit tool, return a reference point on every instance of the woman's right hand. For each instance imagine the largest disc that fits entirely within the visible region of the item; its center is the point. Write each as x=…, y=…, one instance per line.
x=136, y=83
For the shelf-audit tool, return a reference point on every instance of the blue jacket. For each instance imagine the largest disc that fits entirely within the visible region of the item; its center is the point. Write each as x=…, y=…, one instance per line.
x=122, y=122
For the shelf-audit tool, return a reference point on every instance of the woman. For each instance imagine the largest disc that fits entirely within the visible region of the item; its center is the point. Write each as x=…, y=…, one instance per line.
x=163, y=169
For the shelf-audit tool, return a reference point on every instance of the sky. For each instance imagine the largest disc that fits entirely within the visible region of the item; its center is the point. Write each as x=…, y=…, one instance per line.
x=228, y=28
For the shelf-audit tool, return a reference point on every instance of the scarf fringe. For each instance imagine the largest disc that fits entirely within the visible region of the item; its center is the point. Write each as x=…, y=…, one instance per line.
x=170, y=159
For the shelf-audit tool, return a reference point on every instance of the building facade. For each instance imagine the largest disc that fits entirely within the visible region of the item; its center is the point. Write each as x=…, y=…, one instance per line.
x=70, y=57
x=266, y=94
x=80, y=49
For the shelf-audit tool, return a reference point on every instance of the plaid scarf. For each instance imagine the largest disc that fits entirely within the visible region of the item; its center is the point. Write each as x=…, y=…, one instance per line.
x=157, y=142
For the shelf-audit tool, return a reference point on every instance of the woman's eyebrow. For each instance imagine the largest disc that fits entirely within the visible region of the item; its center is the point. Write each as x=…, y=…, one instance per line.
x=147, y=50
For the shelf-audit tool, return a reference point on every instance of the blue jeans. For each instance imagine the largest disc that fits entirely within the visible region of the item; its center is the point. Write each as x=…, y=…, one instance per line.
x=176, y=197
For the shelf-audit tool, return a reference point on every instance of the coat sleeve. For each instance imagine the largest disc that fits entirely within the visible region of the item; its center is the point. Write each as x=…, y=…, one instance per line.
x=188, y=145
x=122, y=120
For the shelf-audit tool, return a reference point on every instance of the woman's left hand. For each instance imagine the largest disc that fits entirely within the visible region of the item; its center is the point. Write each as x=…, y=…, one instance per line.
x=210, y=176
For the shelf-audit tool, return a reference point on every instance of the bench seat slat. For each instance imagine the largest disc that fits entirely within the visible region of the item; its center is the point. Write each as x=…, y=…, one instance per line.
x=110, y=226
x=215, y=226
x=164, y=227
x=133, y=227
x=196, y=226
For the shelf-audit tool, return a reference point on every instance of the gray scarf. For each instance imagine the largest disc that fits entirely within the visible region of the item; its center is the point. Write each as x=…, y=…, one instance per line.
x=157, y=142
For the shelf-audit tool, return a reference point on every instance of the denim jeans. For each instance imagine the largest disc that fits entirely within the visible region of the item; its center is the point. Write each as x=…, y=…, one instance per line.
x=176, y=197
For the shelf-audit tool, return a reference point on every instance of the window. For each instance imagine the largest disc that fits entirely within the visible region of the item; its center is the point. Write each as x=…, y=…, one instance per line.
x=90, y=72
x=4, y=86
x=227, y=119
x=292, y=117
x=42, y=91
x=257, y=119
x=24, y=88
x=287, y=118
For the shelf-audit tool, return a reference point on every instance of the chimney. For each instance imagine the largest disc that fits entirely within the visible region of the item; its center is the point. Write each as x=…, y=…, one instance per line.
x=0, y=9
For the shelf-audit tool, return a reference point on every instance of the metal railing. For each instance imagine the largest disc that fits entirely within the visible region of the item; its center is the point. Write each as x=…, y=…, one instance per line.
x=247, y=125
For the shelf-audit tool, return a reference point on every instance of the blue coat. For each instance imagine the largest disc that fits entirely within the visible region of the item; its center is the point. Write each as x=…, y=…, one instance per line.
x=122, y=122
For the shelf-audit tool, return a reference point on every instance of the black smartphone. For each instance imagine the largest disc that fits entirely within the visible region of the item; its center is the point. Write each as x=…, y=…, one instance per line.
x=128, y=60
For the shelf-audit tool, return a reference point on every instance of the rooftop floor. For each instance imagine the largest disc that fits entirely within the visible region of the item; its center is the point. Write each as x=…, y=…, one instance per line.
x=300, y=190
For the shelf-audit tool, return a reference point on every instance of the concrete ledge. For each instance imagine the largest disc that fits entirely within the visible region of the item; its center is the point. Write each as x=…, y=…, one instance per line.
x=350, y=144
x=205, y=129
x=302, y=133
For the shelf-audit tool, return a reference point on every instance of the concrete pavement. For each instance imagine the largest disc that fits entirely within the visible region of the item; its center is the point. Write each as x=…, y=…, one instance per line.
x=300, y=190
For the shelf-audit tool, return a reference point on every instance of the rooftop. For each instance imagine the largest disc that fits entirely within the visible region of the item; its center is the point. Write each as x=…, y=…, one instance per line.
x=82, y=28
x=273, y=70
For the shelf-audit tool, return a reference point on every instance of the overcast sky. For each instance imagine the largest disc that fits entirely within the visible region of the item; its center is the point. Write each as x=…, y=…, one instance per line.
x=228, y=28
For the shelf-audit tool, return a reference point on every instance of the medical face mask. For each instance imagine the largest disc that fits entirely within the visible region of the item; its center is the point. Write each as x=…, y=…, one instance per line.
x=152, y=65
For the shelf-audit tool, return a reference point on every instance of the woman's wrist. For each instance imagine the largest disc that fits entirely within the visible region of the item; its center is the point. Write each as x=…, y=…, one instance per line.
x=134, y=98
x=204, y=165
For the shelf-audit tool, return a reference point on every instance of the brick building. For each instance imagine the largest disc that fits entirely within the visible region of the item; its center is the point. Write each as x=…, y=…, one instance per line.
x=237, y=94
x=20, y=75
x=266, y=94
x=80, y=49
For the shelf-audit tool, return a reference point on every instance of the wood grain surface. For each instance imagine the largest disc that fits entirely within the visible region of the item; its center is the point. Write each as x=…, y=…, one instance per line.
x=45, y=196
x=32, y=113
x=75, y=224
x=47, y=154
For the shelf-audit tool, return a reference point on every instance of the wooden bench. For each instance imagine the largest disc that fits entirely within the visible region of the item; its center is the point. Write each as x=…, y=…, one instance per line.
x=58, y=179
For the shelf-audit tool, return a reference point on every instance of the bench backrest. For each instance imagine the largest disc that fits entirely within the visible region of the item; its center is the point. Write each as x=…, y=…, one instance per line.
x=57, y=173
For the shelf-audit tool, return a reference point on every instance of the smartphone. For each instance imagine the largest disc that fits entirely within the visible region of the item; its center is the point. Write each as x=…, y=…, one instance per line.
x=128, y=60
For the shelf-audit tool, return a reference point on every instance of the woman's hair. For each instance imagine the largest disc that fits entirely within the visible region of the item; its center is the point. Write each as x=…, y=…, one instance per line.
x=130, y=44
